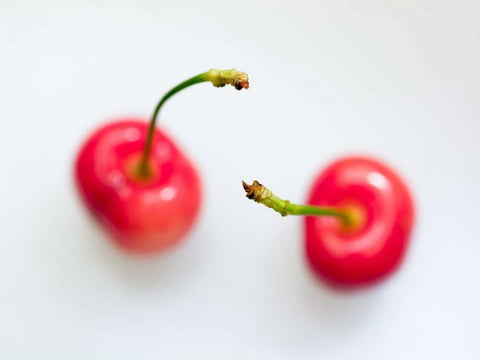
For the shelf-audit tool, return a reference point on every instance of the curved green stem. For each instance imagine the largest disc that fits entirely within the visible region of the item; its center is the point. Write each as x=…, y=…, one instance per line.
x=218, y=78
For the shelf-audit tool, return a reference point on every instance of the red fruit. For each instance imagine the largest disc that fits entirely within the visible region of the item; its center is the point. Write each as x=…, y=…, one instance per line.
x=143, y=215
x=137, y=183
x=384, y=211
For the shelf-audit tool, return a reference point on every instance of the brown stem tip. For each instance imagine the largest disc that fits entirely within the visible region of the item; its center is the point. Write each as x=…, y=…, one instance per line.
x=248, y=189
x=220, y=78
x=256, y=192
x=240, y=81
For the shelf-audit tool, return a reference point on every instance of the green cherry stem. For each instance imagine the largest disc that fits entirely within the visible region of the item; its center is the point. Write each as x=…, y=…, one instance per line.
x=218, y=78
x=261, y=194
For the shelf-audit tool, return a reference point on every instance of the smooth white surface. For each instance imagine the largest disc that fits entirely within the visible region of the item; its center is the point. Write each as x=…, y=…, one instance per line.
x=396, y=79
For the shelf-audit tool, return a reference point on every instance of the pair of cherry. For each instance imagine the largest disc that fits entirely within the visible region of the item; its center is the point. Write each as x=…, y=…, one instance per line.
x=146, y=193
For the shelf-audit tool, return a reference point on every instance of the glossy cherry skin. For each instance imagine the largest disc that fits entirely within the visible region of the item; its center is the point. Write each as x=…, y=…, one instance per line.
x=142, y=216
x=376, y=247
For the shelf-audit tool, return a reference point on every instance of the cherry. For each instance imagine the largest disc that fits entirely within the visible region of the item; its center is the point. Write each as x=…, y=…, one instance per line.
x=142, y=215
x=358, y=224
x=382, y=206
x=137, y=183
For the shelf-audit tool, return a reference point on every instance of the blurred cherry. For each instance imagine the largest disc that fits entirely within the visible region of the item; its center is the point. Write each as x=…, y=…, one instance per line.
x=358, y=220
x=137, y=183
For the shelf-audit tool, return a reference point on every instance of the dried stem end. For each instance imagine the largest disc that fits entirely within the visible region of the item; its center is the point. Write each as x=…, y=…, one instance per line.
x=256, y=192
x=261, y=194
x=233, y=77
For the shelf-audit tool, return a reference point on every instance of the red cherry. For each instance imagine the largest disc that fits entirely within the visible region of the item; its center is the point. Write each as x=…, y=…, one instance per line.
x=137, y=183
x=383, y=208
x=142, y=215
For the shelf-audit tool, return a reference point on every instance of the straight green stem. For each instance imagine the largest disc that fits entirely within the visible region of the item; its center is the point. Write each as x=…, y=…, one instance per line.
x=295, y=209
x=261, y=194
x=285, y=207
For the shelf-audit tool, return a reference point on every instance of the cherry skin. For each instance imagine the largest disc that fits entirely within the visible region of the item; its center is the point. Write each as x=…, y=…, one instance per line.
x=376, y=244
x=143, y=215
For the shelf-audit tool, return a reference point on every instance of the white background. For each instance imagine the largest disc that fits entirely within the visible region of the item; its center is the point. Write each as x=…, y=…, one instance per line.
x=397, y=79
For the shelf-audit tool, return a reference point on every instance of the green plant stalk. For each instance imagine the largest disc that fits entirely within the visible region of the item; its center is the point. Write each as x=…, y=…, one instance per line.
x=261, y=194
x=218, y=78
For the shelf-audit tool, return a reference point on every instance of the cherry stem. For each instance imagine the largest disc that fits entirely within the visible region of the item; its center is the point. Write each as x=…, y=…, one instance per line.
x=261, y=194
x=218, y=78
